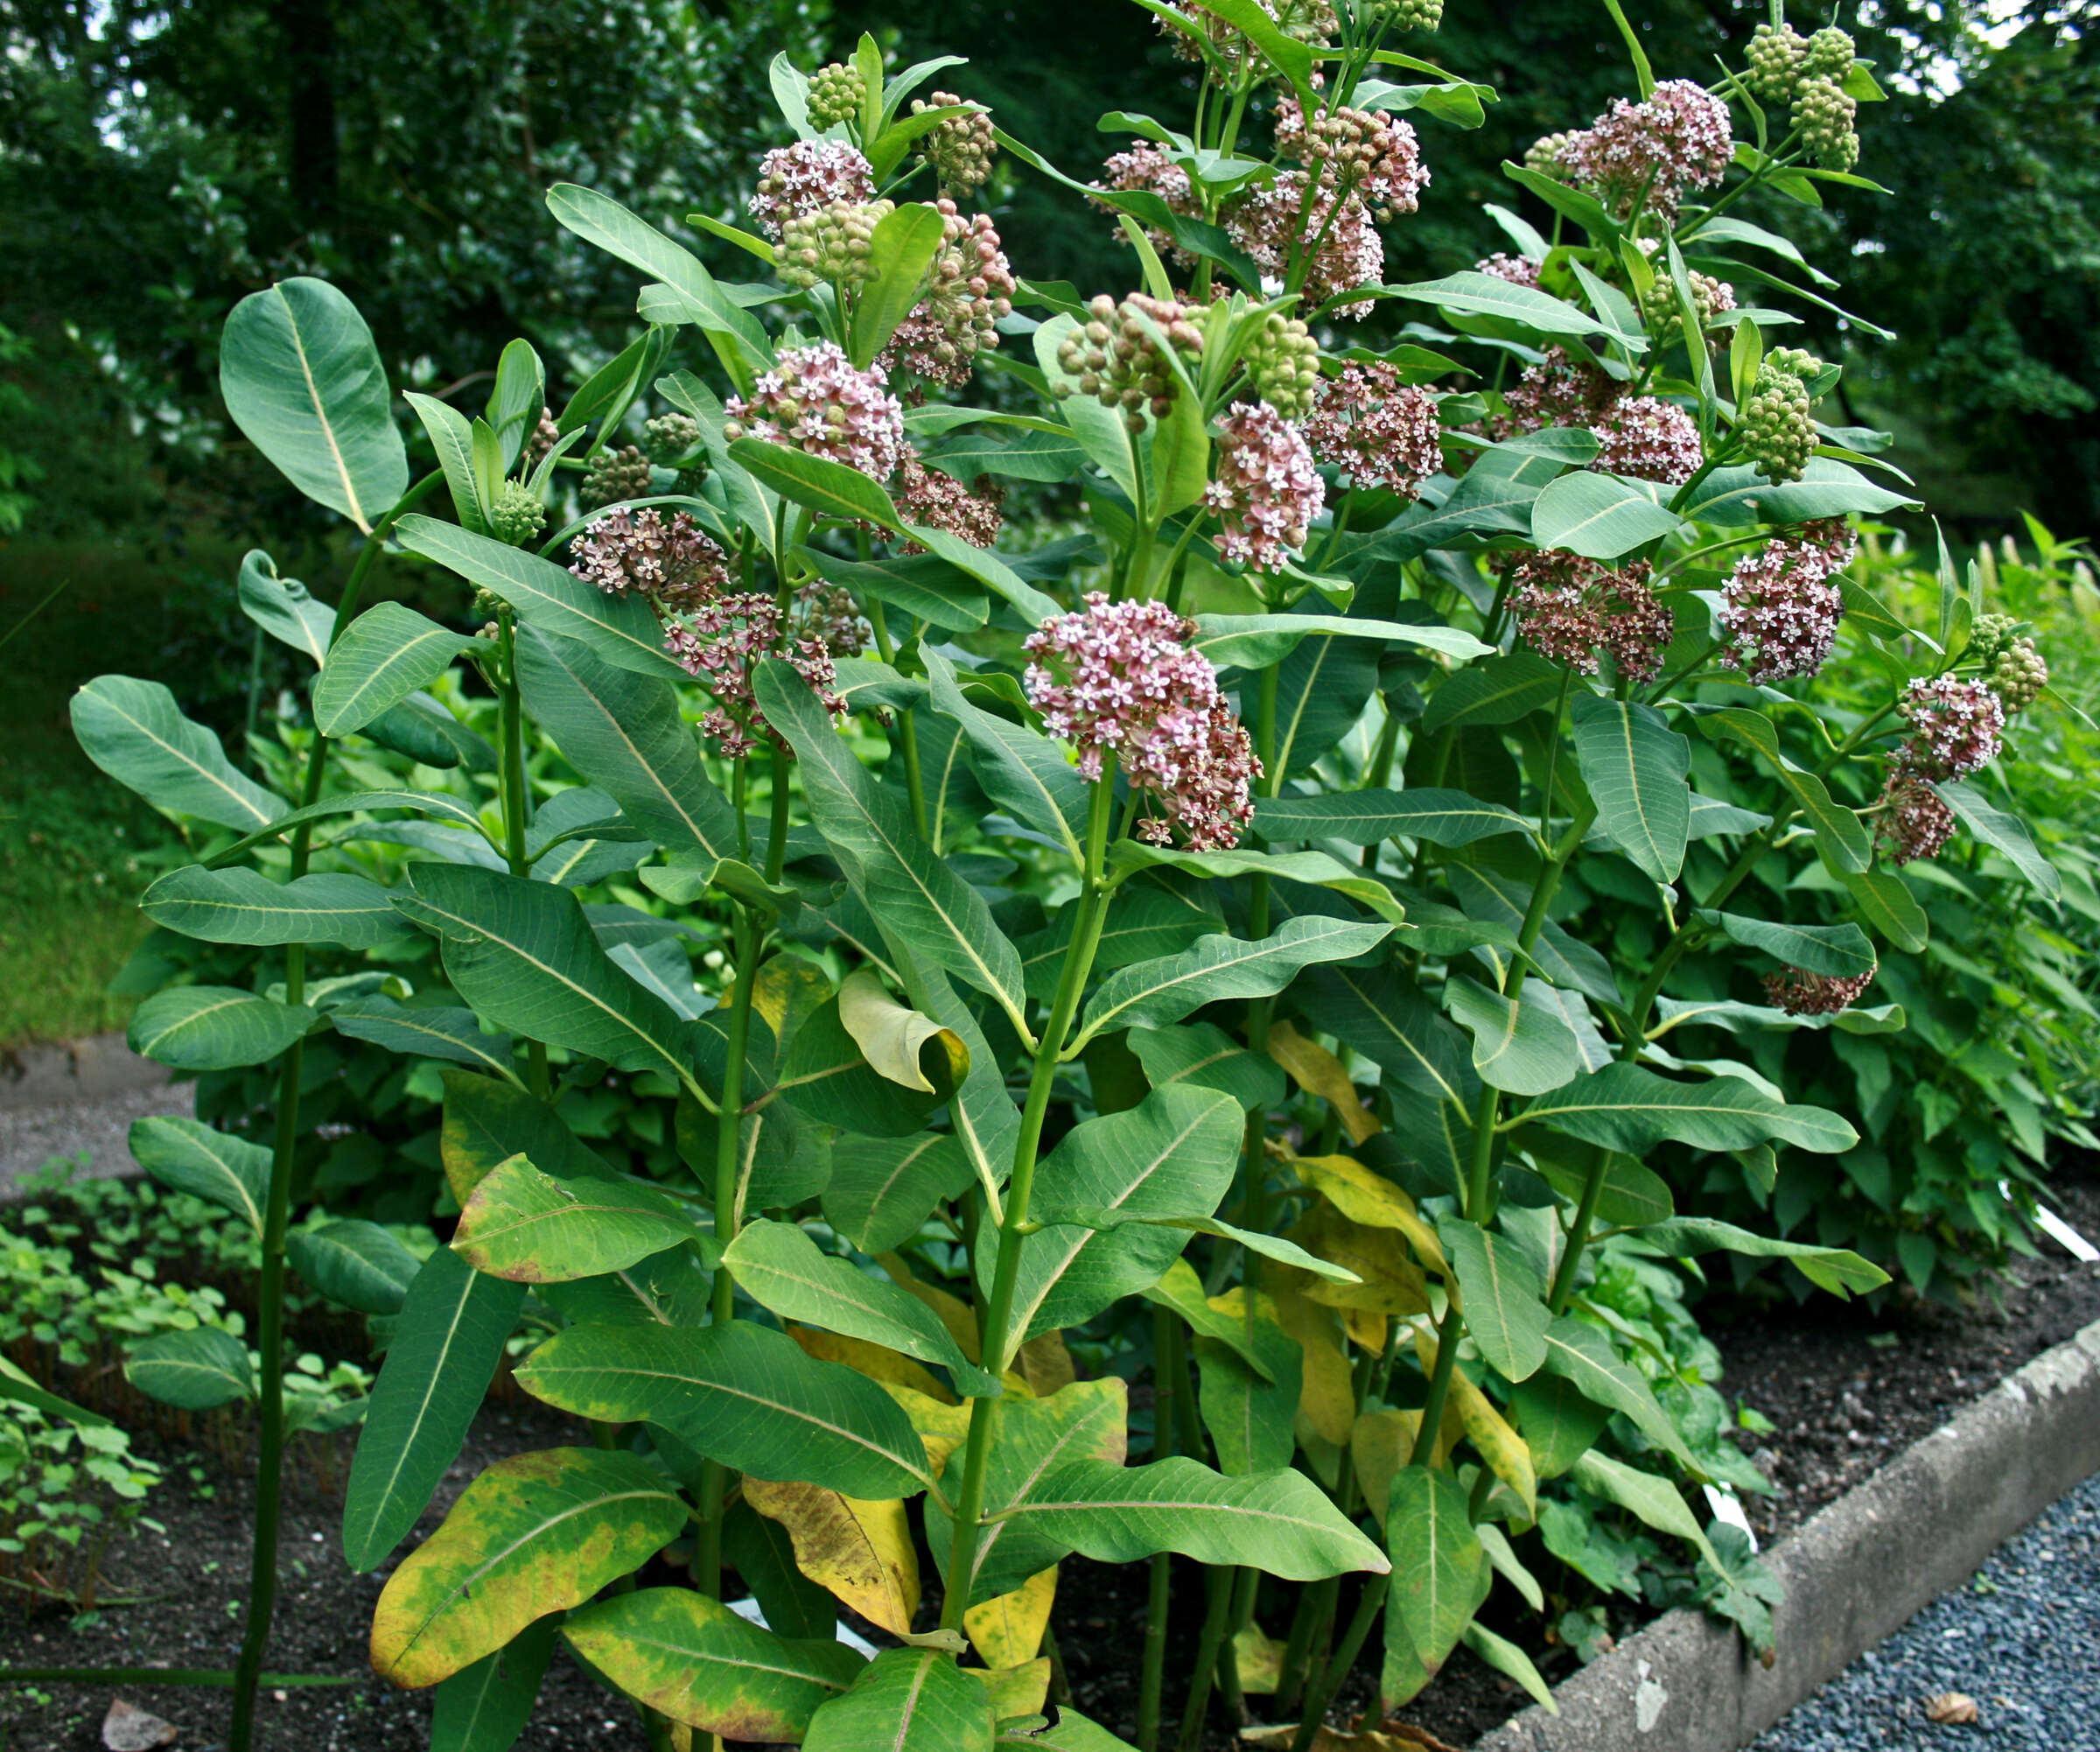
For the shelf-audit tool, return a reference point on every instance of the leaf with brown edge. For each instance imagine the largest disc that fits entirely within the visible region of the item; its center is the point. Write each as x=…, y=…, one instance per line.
x=526, y=1226
x=862, y=1551
x=1318, y=1070
x=693, y=1659
x=1007, y=1630
x=535, y=1533
x=1372, y=1200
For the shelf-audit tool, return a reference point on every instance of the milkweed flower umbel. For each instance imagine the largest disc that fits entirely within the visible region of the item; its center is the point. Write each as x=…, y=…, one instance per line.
x=1648, y=439
x=1575, y=611
x=1379, y=432
x=1117, y=679
x=1266, y=491
x=1955, y=727
x=1374, y=156
x=1912, y=821
x=722, y=642
x=1779, y=607
x=675, y=564
x=810, y=174
x=1648, y=153
x=816, y=401
x=1801, y=993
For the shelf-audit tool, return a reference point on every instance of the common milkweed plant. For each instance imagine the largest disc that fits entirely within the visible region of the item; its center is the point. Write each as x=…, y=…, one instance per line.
x=1148, y=938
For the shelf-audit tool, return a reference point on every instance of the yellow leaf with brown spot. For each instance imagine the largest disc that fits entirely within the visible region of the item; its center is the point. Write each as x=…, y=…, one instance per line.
x=1018, y=1690
x=1327, y=1397
x=786, y=990
x=1317, y=1069
x=862, y=1551
x=877, y=1362
x=1373, y=1201
x=1008, y=1629
x=1392, y=1282
x=1507, y=1455
x=1367, y=1330
x=1259, y=1657
x=956, y=1313
x=1046, y=1364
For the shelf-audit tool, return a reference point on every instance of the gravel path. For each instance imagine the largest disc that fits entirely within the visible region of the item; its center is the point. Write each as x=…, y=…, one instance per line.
x=2022, y=1640
x=79, y=1096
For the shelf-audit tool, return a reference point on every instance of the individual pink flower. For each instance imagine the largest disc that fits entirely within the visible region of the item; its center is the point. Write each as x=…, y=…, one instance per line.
x=927, y=496
x=673, y=564
x=1347, y=252
x=970, y=286
x=1118, y=679
x=722, y=643
x=1574, y=611
x=1780, y=609
x=1266, y=491
x=815, y=400
x=1379, y=432
x=1913, y=821
x=1955, y=727
x=1800, y=993
x=1145, y=167
x=1648, y=154
x=1559, y=391
x=802, y=177
x=1648, y=439
x=1519, y=271
x=1374, y=156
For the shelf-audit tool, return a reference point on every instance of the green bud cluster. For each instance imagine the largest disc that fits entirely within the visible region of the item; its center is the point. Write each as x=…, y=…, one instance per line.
x=1710, y=297
x=669, y=436
x=960, y=149
x=1990, y=635
x=517, y=517
x=1547, y=157
x=1775, y=57
x=1830, y=54
x=613, y=475
x=837, y=93
x=1825, y=115
x=1283, y=363
x=835, y=243
x=1777, y=430
x=2018, y=675
x=1408, y=15
x=1116, y=361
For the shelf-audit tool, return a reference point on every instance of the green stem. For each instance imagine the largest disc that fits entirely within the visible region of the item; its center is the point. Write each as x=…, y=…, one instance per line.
x=517, y=803
x=905, y=739
x=1368, y=1605
x=999, y=1339
x=1579, y=1233
x=1168, y=1382
x=1314, y=1604
x=1217, y=1609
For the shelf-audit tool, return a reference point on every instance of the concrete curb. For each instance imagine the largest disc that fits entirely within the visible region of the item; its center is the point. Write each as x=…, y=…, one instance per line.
x=44, y=1076
x=1855, y=1573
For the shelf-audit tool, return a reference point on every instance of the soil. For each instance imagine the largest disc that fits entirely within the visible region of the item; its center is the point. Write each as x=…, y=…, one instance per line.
x=1846, y=1386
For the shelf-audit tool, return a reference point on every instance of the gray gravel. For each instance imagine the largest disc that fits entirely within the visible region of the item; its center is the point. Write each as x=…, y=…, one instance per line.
x=2021, y=1638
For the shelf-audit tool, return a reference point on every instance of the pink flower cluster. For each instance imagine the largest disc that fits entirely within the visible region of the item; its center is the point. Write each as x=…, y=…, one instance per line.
x=1648, y=154
x=810, y=175
x=1145, y=167
x=722, y=643
x=1573, y=610
x=672, y=564
x=1519, y=271
x=1955, y=727
x=815, y=400
x=1381, y=433
x=1372, y=157
x=1266, y=491
x=1648, y=439
x=927, y=496
x=970, y=286
x=1346, y=250
x=1815, y=994
x=1118, y=679
x=1780, y=609
x=1559, y=391
x=1913, y=821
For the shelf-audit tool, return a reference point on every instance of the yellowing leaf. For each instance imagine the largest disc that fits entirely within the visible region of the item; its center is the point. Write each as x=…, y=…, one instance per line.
x=1366, y=1330
x=1327, y=1398
x=942, y=1425
x=877, y=1362
x=1505, y=1451
x=890, y=1034
x=956, y=1313
x=862, y=1551
x=1392, y=1282
x=1018, y=1690
x=1259, y=1657
x=1382, y=1442
x=787, y=988
x=1046, y=1364
x=1007, y=1630
x=1317, y=1069
x=1371, y=1200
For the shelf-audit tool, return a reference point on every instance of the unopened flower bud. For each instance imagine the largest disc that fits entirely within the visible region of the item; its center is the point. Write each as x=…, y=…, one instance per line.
x=1778, y=430
x=2019, y=675
x=1830, y=54
x=1775, y=60
x=836, y=242
x=613, y=475
x=1825, y=114
x=961, y=148
x=1116, y=358
x=517, y=517
x=671, y=438
x=837, y=93
x=1283, y=363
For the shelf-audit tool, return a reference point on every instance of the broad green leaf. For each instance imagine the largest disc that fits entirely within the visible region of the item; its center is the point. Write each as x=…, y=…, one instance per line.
x=1520, y=1046
x=882, y=1189
x=134, y=732
x=522, y=954
x=430, y=1032
x=1439, y=1578
x=1172, y=1154
x=691, y=1659
x=1835, y=1269
x=1204, y=1056
x=924, y=586
x=452, y=435
x=1484, y=501
x=187, y=1155
x=1599, y=516
x=1182, y=1291
x=1502, y=690
x=742, y=1394
x=487, y=1122
x=1655, y=1500
x=1279, y=1522
x=1624, y=1107
x=193, y=1369
x=214, y=1027
x=20, y=1388
x=827, y=1077
x=383, y=656
x=1886, y=902
x=244, y=906
x=485, y=1708
x=619, y=629
x=623, y=731
x=1452, y=818
x=1841, y=841
x=1506, y=1657
x=450, y=810
x=284, y=608
x=1839, y=949
x=1389, y=1021
x=1505, y=1303
x=913, y=893
x=1253, y=642
x=906, y=1700
x=1103, y=1219
x=525, y=1225
x=1316, y=869
x=2007, y=833
x=1052, y=456
x=1583, y=1357
x=1476, y=294
x=780, y=1268
x=1635, y=766
x=831, y=489
x=355, y=1262
x=1734, y=498
x=902, y=248
x=445, y=1353
x=1629, y=1196
x=303, y=381
x=1152, y=993
x=1178, y=454
x=763, y=1555
x=514, y=401
x=534, y=1534
x=1558, y=1422
x=1249, y=1413
x=1322, y=688
x=1022, y=770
